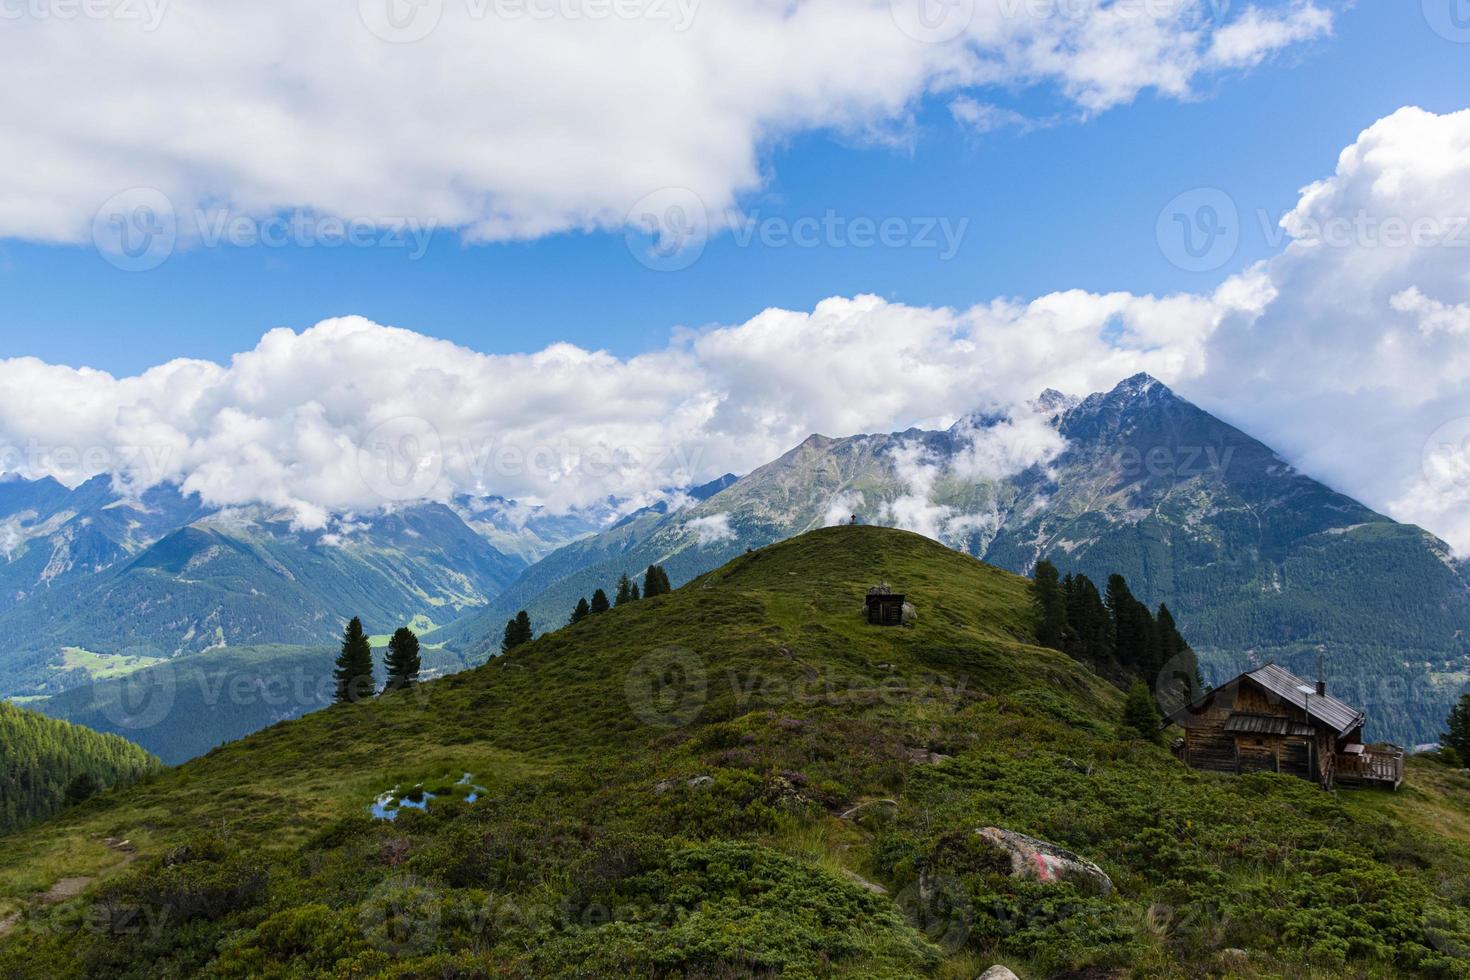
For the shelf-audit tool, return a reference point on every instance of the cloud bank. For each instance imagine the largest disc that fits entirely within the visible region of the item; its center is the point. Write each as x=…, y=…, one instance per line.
x=1349, y=352
x=514, y=119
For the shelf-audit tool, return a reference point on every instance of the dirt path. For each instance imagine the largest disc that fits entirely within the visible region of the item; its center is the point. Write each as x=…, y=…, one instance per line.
x=8, y=923
x=68, y=888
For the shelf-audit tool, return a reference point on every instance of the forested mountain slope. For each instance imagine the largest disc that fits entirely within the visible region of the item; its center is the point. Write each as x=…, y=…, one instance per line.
x=45, y=762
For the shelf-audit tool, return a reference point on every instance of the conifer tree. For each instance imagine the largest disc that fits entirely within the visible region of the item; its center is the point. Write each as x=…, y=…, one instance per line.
x=599, y=602
x=1458, y=723
x=402, y=661
x=655, y=582
x=354, y=673
x=1088, y=617
x=1051, y=607
x=1128, y=636
x=625, y=590
x=636, y=594
x=1140, y=717
x=517, y=632
x=81, y=789
x=582, y=611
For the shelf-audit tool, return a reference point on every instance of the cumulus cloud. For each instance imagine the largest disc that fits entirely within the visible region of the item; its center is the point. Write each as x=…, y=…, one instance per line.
x=1348, y=352
x=842, y=508
x=514, y=120
x=712, y=529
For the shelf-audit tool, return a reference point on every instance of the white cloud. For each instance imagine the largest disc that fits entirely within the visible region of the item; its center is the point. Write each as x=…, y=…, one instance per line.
x=712, y=529
x=1348, y=352
x=518, y=125
x=842, y=508
x=916, y=509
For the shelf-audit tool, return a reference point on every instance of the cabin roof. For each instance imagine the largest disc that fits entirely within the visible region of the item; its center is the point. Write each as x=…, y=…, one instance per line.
x=1338, y=715
x=1342, y=716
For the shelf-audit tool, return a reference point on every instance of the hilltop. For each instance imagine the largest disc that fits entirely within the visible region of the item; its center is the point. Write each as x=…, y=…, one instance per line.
x=743, y=778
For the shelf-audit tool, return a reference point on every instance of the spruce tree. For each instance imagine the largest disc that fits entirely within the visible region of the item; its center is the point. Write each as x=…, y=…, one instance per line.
x=1140, y=718
x=354, y=673
x=1088, y=618
x=1051, y=607
x=582, y=611
x=599, y=602
x=82, y=788
x=655, y=582
x=517, y=632
x=625, y=590
x=636, y=594
x=402, y=661
x=1458, y=723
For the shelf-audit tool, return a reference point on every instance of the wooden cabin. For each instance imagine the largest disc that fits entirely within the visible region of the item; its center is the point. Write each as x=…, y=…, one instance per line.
x=1270, y=720
x=885, y=607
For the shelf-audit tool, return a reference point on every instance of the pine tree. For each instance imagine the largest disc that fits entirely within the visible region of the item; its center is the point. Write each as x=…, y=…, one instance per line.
x=1140, y=717
x=1092, y=640
x=582, y=611
x=402, y=661
x=82, y=788
x=636, y=595
x=1051, y=607
x=517, y=632
x=655, y=582
x=1458, y=723
x=625, y=590
x=599, y=602
x=1128, y=638
x=354, y=673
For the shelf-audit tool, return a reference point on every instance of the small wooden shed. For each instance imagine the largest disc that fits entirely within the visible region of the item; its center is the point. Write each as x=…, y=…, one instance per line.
x=1270, y=720
x=885, y=607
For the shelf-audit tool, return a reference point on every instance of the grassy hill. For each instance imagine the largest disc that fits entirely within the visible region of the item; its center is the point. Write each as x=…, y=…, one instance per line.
x=41, y=759
x=741, y=779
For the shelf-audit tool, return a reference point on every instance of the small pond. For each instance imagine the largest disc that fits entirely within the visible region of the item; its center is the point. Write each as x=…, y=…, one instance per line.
x=388, y=805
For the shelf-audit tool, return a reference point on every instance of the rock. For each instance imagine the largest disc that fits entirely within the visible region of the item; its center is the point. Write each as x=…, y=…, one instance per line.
x=1039, y=861
x=998, y=973
x=863, y=883
x=699, y=782
x=664, y=786
x=910, y=614
x=925, y=757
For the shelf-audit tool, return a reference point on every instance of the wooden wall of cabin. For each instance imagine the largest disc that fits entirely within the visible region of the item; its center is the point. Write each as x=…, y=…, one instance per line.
x=1207, y=745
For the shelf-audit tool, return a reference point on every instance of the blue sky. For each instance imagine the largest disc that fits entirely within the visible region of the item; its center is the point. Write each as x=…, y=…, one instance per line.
x=1064, y=146
x=1070, y=205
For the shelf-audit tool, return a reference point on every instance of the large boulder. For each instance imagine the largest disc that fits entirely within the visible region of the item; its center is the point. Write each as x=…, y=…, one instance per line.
x=1037, y=860
x=998, y=973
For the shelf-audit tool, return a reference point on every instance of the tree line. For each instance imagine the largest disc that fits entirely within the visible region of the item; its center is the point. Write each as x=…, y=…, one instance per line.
x=1115, y=634
x=655, y=583
x=354, y=675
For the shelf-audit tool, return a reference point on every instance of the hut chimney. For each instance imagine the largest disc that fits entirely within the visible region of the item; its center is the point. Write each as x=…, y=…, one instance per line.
x=1321, y=683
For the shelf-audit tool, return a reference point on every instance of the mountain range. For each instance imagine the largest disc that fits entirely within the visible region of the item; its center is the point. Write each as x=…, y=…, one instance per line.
x=1256, y=560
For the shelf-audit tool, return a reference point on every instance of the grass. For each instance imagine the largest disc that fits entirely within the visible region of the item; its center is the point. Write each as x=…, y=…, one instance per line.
x=665, y=789
x=100, y=666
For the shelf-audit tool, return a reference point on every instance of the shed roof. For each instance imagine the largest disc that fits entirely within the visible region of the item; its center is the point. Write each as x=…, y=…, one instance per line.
x=1281, y=682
